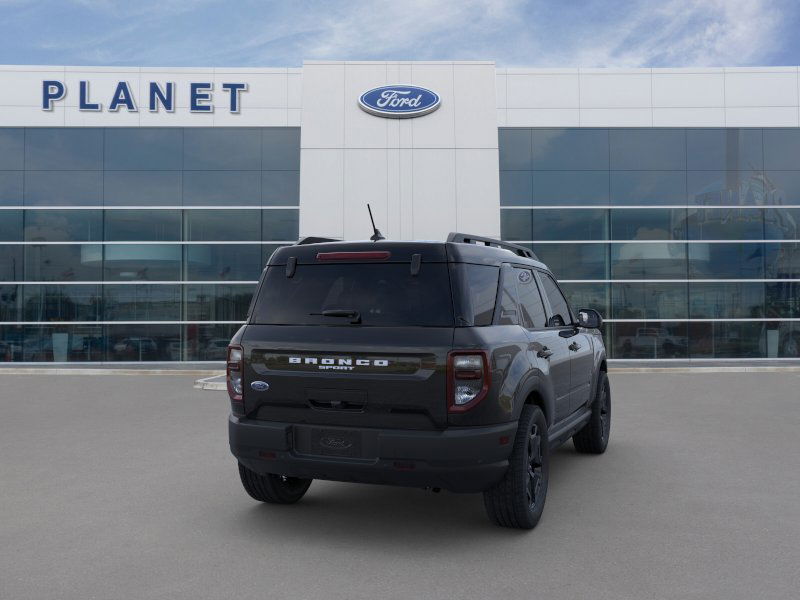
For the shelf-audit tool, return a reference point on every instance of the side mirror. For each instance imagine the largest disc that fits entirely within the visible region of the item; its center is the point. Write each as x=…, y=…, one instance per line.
x=589, y=318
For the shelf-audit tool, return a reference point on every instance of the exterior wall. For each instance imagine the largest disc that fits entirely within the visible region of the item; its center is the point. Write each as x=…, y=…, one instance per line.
x=424, y=177
x=691, y=97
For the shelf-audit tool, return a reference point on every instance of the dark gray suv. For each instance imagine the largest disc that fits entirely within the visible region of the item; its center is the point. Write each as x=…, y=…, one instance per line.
x=456, y=365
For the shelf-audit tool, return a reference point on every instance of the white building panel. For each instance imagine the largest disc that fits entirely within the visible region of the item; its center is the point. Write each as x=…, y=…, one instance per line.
x=689, y=90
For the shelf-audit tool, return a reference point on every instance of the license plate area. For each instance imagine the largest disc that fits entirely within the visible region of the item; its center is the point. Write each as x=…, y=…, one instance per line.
x=332, y=442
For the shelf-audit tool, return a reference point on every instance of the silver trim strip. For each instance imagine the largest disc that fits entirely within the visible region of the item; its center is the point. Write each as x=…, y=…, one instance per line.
x=156, y=207
x=645, y=206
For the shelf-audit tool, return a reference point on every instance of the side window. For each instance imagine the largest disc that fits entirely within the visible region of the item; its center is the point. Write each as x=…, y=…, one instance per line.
x=507, y=302
x=558, y=303
x=530, y=301
x=480, y=292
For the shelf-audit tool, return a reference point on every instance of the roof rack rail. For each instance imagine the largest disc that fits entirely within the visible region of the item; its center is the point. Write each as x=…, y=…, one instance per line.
x=466, y=238
x=315, y=240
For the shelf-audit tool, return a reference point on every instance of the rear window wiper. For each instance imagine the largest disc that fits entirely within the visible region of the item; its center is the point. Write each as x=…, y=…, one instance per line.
x=353, y=315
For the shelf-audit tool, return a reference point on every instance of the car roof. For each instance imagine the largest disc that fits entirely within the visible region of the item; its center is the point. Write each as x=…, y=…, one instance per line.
x=402, y=252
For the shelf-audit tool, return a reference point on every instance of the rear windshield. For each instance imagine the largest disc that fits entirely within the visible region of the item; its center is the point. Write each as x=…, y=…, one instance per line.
x=384, y=294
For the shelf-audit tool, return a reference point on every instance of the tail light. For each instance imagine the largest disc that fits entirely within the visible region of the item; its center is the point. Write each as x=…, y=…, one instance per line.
x=468, y=379
x=234, y=377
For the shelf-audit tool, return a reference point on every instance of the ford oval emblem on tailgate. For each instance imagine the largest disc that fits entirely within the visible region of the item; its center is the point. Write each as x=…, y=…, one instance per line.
x=260, y=386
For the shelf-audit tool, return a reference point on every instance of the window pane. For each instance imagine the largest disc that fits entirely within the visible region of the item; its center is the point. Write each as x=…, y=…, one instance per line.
x=648, y=149
x=63, y=148
x=62, y=302
x=575, y=261
x=143, y=342
x=781, y=223
x=154, y=262
x=221, y=188
x=648, y=261
x=280, y=224
x=142, y=188
x=729, y=188
x=11, y=263
x=783, y=187
x=782, y=261
x=726, y=300
x=727, y=340
x=588, y=295
x=64, y=188
x=143, y=148
x=509, y=313
x=142, y=302
x=648, y=187
x=11, y=188
x=530, y=300
x=143, y=225
x=783, y=299
x=581, y=224
x=281, y=148
x=63, y=225
x=726, y=261
x=12, y=147
x=208, y=342
x=63, y=343
x=637, y=300
x=11, y=341
x=236, y=262
x=782, y=148
x=218, y=302
x=724, y=149
x=516, y=224
x=651, y=339
x=515, y=149
x=10, y=309
x=570, y=149
x=726, y=224
x=280, y=188
x=570, y=187
x=10, y=225
x=783, y=341
x=516, y=188
x=558, y=304
x=222, y=225
x=69, y=262
x=221, y=148
x=655, y=224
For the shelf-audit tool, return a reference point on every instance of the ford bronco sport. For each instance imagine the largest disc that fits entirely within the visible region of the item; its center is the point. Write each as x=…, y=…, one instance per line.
x=456, y=365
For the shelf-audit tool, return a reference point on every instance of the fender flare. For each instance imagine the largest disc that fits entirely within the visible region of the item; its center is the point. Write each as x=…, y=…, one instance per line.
x=535, y=382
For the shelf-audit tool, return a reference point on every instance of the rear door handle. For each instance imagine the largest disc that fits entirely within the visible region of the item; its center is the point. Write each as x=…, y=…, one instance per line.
x=574, y=346
x=545, y=352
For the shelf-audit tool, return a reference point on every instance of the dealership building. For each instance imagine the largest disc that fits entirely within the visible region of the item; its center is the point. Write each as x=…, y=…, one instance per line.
x=138, y=206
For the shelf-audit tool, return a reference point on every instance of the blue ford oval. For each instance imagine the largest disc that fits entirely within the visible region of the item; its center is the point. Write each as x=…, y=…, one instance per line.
x=399, y=101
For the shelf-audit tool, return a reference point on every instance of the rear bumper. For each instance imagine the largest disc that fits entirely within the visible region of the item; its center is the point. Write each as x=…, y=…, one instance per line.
x=468, y=459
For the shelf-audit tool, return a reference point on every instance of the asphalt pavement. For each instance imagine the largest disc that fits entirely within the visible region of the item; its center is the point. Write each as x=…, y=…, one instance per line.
x=115, y=486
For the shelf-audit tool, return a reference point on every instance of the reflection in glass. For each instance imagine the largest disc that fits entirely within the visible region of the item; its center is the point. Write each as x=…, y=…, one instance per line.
x=649, y=339
x=516, y=224
x=555, y=188
x=11, y=263
x=782, y=260
x=62, y=343
x=11, y=187
x=783, y=299
x=143, y=342
x=582, y=225
x=63, y=188
x=142, y=302
x=649, y=224
x=62, y=303
x=648, y=187
x=208, y=342
x=10, y=305
x=280, y=148
x=727, y=340
x=639, y=300
x=648, y=149
x=280, y=224
x=143, y=225
x=10, y=225
x=516, y=188
x=726, y=261
x=570, y=149
x=726, y=224
x=783, y=340
x=515, y=149
x=63, y=225
x=588, y=295
x=222, y=148
x=234, y=262
x=63, y=148
x=280, y=188
x=782, y=148
x=648, y=261
x=143, y=148
x=12, y=148
x=575, y=261
x=147, y=262
x=67, y=262
x=222, y=225
x=726, y=300
x=221, y=188
x=724, y=149
x=142, y=188
x=731, y=188
x=218, y=302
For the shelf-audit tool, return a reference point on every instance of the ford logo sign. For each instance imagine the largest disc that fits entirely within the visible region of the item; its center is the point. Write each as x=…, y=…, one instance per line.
x=260, y=386
x=399, y=101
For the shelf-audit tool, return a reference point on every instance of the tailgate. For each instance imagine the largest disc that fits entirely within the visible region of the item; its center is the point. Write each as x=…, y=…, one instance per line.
x=388, y=377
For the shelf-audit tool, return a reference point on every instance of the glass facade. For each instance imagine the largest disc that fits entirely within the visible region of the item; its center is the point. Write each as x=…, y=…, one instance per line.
x=685, y=240
x=138, y=244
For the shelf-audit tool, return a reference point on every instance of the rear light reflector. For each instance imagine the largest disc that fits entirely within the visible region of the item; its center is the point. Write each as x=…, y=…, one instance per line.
x=468, y=379
x=367, y=255
x=233, y=375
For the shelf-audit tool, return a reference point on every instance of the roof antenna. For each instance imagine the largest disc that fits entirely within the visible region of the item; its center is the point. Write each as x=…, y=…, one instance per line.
x=376, y=237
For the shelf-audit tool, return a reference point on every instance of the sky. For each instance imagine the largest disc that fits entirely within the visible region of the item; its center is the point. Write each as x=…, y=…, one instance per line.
x=565, y=33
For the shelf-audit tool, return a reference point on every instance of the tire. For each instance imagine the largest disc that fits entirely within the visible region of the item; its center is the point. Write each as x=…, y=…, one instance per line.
x=275, y=489
x=593, y=438
x=517, y=501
